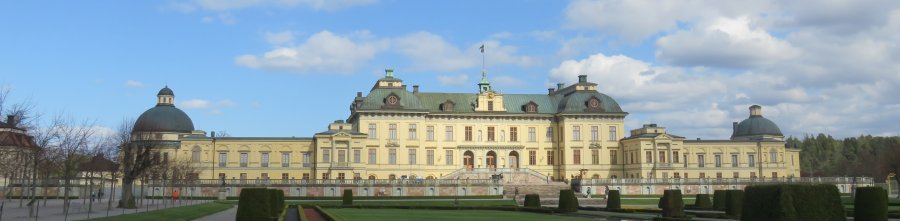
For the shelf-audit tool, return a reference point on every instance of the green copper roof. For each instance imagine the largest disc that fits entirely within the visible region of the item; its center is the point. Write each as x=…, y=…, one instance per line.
x=755, y=126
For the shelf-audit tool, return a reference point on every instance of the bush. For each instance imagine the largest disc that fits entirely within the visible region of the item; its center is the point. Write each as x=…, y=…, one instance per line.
x=276, y=201
x=702, y=202
x=733, y=200
x=870, y=204
x=613, y=200
x=672, y=204
x=347, y=197
x=792, y=202
x=254, y=205
x=719, y=200
x=567, y=201
x=533, y=201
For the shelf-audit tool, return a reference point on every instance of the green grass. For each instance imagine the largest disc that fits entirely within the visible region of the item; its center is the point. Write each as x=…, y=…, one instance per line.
x=173, y=214
x=447, y=203
x=349, y=214
x=652, y=201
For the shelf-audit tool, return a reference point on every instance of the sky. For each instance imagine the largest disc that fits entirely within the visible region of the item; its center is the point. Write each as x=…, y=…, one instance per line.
x=290, y=67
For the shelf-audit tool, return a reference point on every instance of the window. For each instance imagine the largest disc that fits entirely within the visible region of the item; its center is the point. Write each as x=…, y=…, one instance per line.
x=373, y=131
x=448, y=133
x=412, y=132
x=429, y=133
x=392, y=131
x=325, y=176
x=675, y=157
x=165, y=158
x=751, y=160
x=392, y=156
x=356, y=176
x=595, y=135
x=613, y=159
x=532, y=157
x=342, y=156
x=773, y=156
x=468, y=133
x=662, y=156
x=774, y=175
x=612, y=133
x=195, y=156
x=223, y=159
x=244, y=159
x=734, y=161
x=752, y=174
x=595, y=157
x=718, y=160
x=677, y=175
x=718, y=175
x=356, y=156
x=576, y=133
x=243, y=176
x=514, y=134
x=701, y=161
x=285, y=159
x=530, y=108
x=735, y=175
x=685, y=160
x=284, y=176
x=429, y=157
x=306, y=159
x=532, y=134
x=549, y=134
x=264, y=160
x=702, y=175
x=305, y=176
x=372, y=156
x=649, y=156
x=576, y=155
x=412, y=156
x=326, y=156
x=490, y=133
x=449, y=157
x=490, y=105
x=340, y=176
x=549, y=157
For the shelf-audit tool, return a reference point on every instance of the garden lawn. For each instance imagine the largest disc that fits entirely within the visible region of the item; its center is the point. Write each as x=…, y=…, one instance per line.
x=440, y=203
x=172, y=214
x=349, y=214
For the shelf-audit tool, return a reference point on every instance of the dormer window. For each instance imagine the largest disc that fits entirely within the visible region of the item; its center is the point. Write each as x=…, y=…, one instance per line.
x=593, y=104
x=392, y=101
x=530, y=107
x=447, y=106
x=490, y=105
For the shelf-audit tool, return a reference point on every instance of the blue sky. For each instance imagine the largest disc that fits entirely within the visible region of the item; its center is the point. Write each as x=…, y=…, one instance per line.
x=288, y=67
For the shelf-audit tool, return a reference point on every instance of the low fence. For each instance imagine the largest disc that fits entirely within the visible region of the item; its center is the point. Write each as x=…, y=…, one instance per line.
x=708, y=185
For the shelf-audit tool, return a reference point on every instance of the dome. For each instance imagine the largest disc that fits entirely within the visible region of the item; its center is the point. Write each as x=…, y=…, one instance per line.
x=577, y=102
x=166, y=91
x=756, y=125
x=164, y=118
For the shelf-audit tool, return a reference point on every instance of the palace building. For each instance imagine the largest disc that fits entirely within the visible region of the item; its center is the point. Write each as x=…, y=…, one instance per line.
x=392, y=132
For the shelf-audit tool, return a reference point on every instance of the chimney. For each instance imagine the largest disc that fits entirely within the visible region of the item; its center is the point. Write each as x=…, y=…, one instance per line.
x=559, y=86
x=359, y=94
x=551, y=90
x=582, y=78
x=755, y=111
x=11, y=120
x=415, y=89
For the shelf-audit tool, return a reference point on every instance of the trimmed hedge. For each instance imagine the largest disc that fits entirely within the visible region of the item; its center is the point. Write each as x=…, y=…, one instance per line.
x=532, y=201
x=672, y=204
x=792, y=202
x=702, y=201
x=347, y=197
x=567, y=201
x=870, y=204
x=254, y=204
x=719, y=200
x=613, y=200
x=733, y=200
x=276, y=201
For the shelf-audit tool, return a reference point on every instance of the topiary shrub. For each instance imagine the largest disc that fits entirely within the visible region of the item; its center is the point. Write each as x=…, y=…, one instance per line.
x=870, y=204
x=254, y=205
x=567, y=201
x=613, y=200
x=792, y=202
x=719, y=200
x=733, y=200
x=533, y=201
x=702, y=201
x=672, y=204
x=347, y=197
x=276, y=201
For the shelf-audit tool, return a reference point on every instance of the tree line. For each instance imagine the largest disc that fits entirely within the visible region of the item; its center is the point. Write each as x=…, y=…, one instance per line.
x=865, y=155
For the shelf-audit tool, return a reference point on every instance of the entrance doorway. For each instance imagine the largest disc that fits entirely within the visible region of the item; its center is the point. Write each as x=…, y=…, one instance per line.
x=491, y=160
x=514, y=159
x=469, y=160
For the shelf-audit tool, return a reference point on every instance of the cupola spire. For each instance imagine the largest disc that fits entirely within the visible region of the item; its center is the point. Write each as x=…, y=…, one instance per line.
x=165, y=97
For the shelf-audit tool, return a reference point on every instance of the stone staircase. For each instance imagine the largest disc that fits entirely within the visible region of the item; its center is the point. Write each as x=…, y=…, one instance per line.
x=526, y=181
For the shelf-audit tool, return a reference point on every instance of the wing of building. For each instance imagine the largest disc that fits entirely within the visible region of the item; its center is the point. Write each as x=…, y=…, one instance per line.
x=393, y=132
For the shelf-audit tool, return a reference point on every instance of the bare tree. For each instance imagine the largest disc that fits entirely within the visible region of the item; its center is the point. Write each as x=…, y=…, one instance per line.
x=75, y=139
x=136, y=149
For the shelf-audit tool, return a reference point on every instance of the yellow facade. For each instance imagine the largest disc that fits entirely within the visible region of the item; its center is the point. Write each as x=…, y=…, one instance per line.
x=394, y=133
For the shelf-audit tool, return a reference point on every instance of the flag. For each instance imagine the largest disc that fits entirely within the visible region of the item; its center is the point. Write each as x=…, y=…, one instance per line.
x=482, y=48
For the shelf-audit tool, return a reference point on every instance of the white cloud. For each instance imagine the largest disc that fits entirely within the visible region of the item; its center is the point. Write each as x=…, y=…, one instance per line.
x=195, y=104
x=216, y=112
x=323, y=52
x=729, y=43
x=227, y=103
x=280, y=38
x=224, y=18
x=429, y=51
x=230, y=5
x=458, y=80
x=134, y=84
